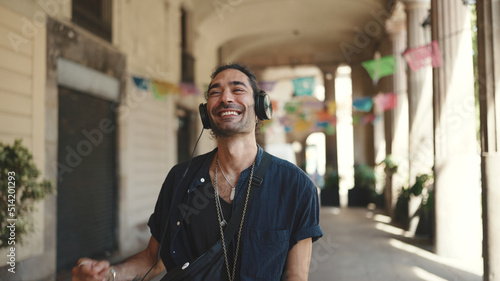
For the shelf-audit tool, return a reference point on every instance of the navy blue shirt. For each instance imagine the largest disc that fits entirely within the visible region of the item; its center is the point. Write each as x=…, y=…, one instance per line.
x=283, y=211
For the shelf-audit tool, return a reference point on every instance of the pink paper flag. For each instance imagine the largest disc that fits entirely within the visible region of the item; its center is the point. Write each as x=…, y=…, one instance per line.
x=419, y=57
x=384, y=102
x=368, y=119
x=188, y=89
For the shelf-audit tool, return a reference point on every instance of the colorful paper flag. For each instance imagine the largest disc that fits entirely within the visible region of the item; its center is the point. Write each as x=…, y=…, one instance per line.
x=368, y=119
x=302, y=125
x=381, y=67
x=356, y=119
x=363, y=104
x=419, y=57
x=274, y=104
x=330, y=130
x=140, y=83
x=161, y=89
x=292, y=106
x=384, y=102
x=322, y=124
x=267, y=86
x=285, y=121
x=303, y=86
x=314, y=105
x=324, y=116
x=332, y=107
x=189, y=89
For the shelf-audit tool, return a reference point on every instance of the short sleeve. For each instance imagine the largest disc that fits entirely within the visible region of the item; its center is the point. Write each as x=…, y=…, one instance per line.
x=158, y=219
x=306, y=224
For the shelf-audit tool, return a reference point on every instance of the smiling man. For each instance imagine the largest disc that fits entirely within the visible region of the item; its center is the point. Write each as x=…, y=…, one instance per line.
x=278, y=224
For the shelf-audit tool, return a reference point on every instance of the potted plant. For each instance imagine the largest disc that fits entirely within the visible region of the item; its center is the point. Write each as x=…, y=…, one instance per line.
x=364, y=186
x=330, y=192
x=421, y=188
x=20, y=188
x=386, y=169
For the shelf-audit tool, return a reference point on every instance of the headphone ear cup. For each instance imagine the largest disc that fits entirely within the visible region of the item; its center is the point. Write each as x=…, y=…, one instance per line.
x=204, y=116
x=263, y=106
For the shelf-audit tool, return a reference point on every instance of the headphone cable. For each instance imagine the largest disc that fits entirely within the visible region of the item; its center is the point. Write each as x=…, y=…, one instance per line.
x=166, y=224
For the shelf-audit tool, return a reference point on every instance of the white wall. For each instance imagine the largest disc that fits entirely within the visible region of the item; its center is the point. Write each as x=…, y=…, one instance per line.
x=22, y=101
x=147, y=33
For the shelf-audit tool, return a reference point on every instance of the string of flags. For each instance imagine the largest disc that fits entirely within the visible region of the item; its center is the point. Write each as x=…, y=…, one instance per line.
x=305, y=112
x=416, y=58
x=310, y=114
x=161, y=89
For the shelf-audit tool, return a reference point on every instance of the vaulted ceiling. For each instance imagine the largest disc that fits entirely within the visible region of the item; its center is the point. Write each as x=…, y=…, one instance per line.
x=276, y=32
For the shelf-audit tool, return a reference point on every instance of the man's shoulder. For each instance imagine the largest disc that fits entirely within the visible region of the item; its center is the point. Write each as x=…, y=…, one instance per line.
x=289, y=170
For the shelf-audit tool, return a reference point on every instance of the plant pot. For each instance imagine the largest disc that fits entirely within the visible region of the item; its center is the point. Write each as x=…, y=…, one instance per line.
x=426, y=223
x=330, y=197
x=359, y=197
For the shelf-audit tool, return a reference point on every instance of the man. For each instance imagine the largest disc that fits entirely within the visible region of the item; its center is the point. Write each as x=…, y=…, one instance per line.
x=281, y=220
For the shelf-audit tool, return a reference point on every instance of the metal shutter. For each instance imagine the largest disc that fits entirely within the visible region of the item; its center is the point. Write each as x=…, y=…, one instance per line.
x=87, y=196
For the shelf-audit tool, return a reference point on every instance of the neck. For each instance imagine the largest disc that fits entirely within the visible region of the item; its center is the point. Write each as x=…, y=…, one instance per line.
x=235, y=155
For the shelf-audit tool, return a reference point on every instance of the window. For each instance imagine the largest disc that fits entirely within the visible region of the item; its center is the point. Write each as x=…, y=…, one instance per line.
x=187, y=58
x=94, y=16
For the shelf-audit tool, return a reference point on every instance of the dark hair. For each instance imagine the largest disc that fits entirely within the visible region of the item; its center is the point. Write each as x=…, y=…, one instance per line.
x=240, y=67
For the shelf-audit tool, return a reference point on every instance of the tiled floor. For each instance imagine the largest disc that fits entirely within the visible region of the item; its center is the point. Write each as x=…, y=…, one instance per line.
x=360, y=244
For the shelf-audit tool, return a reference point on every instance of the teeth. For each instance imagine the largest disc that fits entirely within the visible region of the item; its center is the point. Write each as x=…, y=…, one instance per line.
x=225, y=113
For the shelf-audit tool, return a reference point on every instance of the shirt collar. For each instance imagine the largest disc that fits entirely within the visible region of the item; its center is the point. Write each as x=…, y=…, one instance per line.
x=202, y=175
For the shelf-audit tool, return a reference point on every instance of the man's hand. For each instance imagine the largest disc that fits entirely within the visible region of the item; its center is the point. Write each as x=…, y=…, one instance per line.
x=91, y=270
x=133, y=268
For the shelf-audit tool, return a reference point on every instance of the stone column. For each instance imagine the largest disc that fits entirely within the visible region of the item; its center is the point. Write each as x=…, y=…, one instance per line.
x=488, y=37
x=420, y=105
x=331, y=140
x=397, y=136
x=456, y=167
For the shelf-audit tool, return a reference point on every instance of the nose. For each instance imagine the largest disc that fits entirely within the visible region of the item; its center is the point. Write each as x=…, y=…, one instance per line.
x=227, y=96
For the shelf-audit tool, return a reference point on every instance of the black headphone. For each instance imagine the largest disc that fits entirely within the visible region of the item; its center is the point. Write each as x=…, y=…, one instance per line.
x=263, y=109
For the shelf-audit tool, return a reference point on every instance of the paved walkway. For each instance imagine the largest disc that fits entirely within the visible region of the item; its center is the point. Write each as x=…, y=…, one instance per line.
x=361, y=245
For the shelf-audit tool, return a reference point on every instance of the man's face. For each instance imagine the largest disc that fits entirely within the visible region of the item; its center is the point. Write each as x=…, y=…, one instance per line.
x=230, y=104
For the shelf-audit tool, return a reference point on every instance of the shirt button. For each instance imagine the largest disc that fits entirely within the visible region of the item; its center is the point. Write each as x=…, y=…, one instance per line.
x=173, y=252
x=178, y=223
x=188, y=191
x=202, y=179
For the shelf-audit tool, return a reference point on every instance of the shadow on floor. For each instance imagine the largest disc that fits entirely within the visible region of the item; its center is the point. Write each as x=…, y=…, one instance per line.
x=360, y=244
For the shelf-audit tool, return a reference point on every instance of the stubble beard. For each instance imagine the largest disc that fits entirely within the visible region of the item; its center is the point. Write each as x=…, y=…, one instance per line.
x=231, y=129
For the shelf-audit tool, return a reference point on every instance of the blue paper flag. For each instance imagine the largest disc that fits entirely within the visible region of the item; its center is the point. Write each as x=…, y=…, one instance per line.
x=363, y=104
x=303, y=86
x=140, y=83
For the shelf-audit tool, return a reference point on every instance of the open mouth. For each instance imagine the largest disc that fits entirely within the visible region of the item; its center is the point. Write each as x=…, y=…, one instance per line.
x=229, y=113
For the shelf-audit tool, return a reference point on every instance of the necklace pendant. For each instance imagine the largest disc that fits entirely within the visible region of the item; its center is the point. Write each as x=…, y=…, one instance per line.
x=233, y=191
x=223, y=223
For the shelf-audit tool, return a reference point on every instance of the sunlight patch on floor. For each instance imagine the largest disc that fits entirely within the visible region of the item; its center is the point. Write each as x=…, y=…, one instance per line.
x=474, y=267
x=426, y=275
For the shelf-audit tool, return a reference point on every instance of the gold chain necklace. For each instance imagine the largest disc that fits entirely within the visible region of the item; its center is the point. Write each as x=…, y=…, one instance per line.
x=219, y=211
